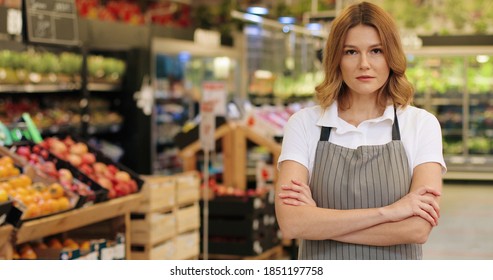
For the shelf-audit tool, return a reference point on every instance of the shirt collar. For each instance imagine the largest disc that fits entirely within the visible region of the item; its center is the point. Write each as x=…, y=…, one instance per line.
x=330, y=118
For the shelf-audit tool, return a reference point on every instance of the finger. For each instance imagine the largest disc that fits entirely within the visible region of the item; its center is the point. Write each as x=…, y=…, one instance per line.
x=429, y=214
x=431, y=211
x=431, y=190
x=296, y=196
x=292, y=202
x=299, y=189
x=432, y=202
x=425, y=215
x=301, y=186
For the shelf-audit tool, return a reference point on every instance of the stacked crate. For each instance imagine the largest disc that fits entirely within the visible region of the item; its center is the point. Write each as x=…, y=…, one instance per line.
x=166, y=224
x=242, y=225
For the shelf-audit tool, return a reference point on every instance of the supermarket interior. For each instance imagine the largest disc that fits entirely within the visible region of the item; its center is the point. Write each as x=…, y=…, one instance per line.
x=121, y=121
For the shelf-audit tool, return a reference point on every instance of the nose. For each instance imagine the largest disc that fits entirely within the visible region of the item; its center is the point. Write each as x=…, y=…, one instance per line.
x=364, y=63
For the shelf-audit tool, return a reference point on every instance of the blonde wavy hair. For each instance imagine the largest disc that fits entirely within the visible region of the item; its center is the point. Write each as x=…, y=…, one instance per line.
x=397, y=90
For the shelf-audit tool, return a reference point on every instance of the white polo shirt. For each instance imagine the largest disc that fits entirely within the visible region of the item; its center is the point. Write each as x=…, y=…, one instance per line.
x=420, y=133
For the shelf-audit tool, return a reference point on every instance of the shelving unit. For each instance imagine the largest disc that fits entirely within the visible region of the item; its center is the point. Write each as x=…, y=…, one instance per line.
x=455, y=84
x=178, y=69
x=74, y=219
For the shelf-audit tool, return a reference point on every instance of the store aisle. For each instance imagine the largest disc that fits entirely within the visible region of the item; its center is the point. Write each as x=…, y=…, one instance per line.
x=465, y=230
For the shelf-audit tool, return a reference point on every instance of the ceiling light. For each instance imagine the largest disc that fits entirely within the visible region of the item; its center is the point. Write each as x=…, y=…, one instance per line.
x=257, y=10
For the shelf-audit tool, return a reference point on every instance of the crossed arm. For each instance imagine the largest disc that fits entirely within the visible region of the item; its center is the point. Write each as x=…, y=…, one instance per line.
x=408, y=220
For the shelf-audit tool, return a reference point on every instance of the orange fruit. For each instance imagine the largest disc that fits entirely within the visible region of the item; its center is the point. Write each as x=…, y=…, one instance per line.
x=63, y=203
x=56, y=190
x=3, y=196
x=24, y=180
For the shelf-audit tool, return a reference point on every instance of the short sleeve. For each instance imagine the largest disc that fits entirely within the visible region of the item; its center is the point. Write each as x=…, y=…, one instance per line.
x=294, y=143
x=429, y=145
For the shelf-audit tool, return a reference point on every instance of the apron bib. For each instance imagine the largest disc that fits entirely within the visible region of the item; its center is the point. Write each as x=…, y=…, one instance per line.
x=365, y=177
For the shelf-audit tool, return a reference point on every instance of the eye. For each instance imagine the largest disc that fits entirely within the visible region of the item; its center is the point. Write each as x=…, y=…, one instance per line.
x=350, y=52
x=376, y=51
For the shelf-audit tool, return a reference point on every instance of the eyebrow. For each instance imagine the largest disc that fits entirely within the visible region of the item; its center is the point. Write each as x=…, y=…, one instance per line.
x=354, y=47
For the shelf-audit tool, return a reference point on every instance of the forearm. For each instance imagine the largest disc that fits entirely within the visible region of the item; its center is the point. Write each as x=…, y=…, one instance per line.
x=315, y=223
x=408, y=231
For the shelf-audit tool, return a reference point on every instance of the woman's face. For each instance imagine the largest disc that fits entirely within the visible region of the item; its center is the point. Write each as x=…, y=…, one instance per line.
x=363, y=65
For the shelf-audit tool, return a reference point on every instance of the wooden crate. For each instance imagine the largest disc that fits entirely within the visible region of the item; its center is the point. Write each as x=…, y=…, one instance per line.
x=152, y=228
x=187, y=188
x=188, y=218
x=159, y=193
x=187, y=245
x=161, y=251
x=274, y=253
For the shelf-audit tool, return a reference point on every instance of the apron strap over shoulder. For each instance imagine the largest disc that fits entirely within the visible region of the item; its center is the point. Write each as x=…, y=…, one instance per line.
x=396, y=133
x=325, y=133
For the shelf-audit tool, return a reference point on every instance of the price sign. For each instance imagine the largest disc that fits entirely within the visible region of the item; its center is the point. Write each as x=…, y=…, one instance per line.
x=207, y=126
x=52, y=22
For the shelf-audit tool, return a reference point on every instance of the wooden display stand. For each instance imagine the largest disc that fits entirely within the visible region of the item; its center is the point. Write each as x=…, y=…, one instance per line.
x=6, y=232
x=71, y=220
x=166, y=224
x=234, y=139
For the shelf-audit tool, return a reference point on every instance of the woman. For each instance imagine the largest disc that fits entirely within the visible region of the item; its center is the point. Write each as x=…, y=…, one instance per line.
x=360, y=175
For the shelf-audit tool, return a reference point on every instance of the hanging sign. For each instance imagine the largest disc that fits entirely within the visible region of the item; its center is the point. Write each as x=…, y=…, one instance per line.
x=10, y=22
x=215, y=92
x=52, y=22
x=207, y=126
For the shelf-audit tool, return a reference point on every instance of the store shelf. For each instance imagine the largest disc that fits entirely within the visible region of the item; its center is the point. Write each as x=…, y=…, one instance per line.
x=33, y=88
x=77, y=218
x=60, y=223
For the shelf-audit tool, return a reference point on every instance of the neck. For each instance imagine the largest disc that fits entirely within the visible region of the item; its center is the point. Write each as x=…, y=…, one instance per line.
x=360, y=110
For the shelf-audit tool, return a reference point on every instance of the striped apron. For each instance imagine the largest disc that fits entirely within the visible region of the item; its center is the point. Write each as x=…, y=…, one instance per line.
x=365, y=177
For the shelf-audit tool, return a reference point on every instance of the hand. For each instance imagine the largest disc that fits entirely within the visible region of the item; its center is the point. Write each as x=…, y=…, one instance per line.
x=296, y=194
x=417, y=203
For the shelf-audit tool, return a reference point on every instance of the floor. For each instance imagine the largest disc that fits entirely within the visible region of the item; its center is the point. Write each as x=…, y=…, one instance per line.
x=465, y=230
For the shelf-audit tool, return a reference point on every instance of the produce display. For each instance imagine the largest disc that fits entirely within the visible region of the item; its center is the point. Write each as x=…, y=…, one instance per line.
x=41, y=159
x=35, y=197
x=168, y=13
x=58, y=114
x=118, y=182
x=28, y=67
x=446, y=82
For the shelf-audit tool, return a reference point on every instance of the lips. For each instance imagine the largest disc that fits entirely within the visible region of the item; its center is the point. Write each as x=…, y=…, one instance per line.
x=364, y=78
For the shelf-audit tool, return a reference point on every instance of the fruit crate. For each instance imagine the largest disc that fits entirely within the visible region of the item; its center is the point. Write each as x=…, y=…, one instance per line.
x=152, y=228
x=187, y=245
x=46, y=167
x=158, y=194
x=242, y=225
x=98, y=162
x=188, y=218
x=165, y=250
x=187, y=187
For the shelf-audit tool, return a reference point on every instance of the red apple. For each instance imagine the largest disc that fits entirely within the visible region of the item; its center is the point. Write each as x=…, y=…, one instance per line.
x=79, y=149
x=88, y=158
x=58, y=148
x=74, y=159
x=121, y=189
x=24, y=151
x=122, y=176
x=113, y=169
x=105, y=183
x=64, y=175
x=86, y=169
x=68, y=141
x=99, y=167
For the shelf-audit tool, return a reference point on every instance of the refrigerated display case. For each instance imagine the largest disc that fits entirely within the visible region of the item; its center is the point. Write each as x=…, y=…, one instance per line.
x=178, y=72
x=456, y=84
